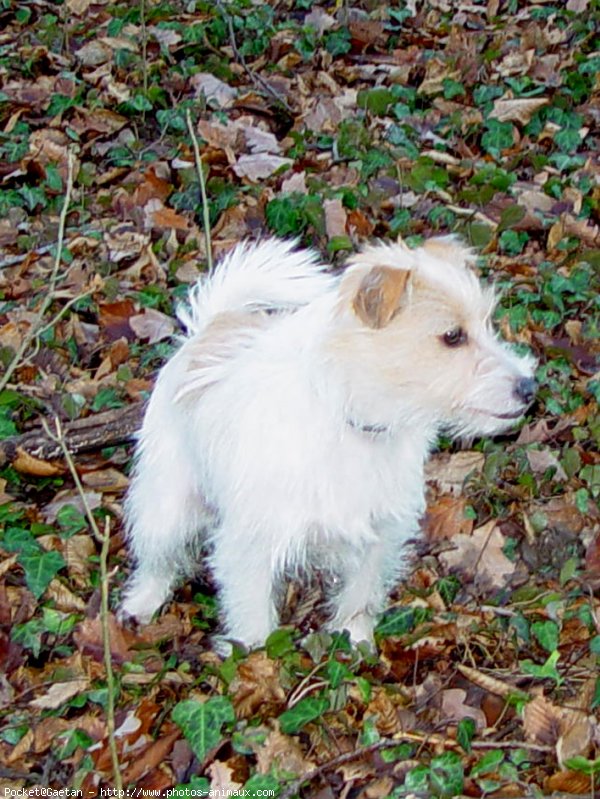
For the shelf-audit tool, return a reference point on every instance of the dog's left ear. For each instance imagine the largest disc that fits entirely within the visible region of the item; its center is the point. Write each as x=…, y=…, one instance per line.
x=378, y=298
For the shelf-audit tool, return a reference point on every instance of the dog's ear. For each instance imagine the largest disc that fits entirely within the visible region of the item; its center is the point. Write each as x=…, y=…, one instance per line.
x=378, y=298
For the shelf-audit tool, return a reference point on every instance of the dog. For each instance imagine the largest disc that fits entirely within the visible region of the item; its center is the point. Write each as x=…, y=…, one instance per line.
x=290, y=431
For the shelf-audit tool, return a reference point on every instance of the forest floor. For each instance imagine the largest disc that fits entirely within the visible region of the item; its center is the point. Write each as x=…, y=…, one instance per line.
x=335, y=123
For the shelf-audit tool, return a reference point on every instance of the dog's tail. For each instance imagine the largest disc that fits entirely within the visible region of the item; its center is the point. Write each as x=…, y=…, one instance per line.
x=268, y=275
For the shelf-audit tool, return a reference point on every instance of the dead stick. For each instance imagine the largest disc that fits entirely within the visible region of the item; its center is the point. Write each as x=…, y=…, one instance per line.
x=91, y=433
x=104, y=539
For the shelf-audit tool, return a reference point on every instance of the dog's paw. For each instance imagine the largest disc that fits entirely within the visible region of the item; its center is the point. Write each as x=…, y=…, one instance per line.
x=224, y=646
x=360, y=627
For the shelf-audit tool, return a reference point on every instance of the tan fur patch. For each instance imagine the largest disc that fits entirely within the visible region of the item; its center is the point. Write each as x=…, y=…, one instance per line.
x=379, y=294
x=217, y=344
x=448, y=249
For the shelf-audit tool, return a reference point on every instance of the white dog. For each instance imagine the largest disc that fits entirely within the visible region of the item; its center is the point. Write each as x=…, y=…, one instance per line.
x=290, y=430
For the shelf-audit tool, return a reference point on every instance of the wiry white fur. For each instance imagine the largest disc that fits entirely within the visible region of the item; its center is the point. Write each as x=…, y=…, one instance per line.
x=287, y=434
x=274, y=275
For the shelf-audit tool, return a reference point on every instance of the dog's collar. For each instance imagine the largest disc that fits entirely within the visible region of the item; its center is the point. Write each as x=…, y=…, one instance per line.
x=370, y=429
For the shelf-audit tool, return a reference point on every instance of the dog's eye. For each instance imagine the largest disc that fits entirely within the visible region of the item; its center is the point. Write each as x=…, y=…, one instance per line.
x=455, y=337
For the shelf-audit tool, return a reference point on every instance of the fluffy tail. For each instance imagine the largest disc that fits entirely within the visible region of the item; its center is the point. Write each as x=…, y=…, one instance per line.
x=266, y=275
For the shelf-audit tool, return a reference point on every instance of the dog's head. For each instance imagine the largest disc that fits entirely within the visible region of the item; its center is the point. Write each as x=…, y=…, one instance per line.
x=420, y=344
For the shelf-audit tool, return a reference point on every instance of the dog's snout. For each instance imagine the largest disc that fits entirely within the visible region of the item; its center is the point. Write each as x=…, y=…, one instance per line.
x=525, y=389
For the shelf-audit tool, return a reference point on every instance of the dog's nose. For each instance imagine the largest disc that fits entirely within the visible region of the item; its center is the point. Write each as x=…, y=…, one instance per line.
x=525, y=389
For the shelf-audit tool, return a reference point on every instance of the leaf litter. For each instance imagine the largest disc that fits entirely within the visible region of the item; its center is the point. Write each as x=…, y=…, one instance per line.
x=332, y=123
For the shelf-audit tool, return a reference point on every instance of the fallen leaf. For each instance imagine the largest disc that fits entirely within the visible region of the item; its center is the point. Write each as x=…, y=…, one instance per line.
x=25, y=463
x=543, y=459
x=256, y=685
x=215, y=90
x=517, y=110
x=59, y=694
x=106, y=480
x=335, y=218
x=455, y=709
x=221, y=780
x=281, y=753
x=258, y=166
x=541, y=721
x=446, y=518
x=479, y=557
x=450, y=471
x=152, y=325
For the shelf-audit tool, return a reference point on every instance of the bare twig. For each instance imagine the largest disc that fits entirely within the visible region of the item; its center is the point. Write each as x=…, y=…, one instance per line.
x=13, y=260
x=416, y=737
x=205, y=208
x=257, y=79
x=33, y=331
x=340, y=760
x=144, y=29
x=104, y=539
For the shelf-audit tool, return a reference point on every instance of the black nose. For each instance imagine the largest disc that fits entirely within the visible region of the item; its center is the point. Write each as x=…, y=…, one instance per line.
x=525, y=389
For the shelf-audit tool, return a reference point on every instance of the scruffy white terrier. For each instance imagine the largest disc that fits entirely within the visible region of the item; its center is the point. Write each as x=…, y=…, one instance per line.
x=290, y=430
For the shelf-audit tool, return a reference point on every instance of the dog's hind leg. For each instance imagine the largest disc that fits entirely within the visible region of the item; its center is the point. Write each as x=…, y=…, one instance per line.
x=166, y=515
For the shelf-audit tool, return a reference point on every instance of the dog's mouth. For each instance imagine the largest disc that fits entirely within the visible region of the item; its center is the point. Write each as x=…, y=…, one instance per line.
x=511, y=415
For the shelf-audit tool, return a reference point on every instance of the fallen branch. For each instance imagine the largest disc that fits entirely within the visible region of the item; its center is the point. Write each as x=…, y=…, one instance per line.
x=416, y=737
x=94, y=432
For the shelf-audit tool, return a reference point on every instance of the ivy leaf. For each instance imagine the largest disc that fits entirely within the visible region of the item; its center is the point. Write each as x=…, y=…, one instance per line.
x=201, y=722
x=307, y=709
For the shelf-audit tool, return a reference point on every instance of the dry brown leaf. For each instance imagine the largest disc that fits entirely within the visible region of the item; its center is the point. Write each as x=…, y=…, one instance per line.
x=485, y=681
x=569, y=782
x=295, y=183
x=215, y=91
x=88, y=638
x=64, y=599
x=221, y=779
x=21, y=748
x=59, y=693
x=256, y=685
x=123, y=241
x=541, y=721
x=335, y=218
x=542, y=459
x=71, y=497
x=78, y=549
x=258, y=166
x=517, y=110
x=446, y=518
x=454, y=708
x=575, y=739
x=587, y=232
x=78, y=7
x=479, y=557
x=151, y=757
x=94, y=53
x=282, y=753
x=152, y=325
x=160, y=217
x=25, y=463
x=106, y=480
x=318, y=19
x=450, y=471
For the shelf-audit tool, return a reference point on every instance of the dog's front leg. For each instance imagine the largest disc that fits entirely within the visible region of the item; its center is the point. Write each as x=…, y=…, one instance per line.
x=367, y=578
x=243, y=570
